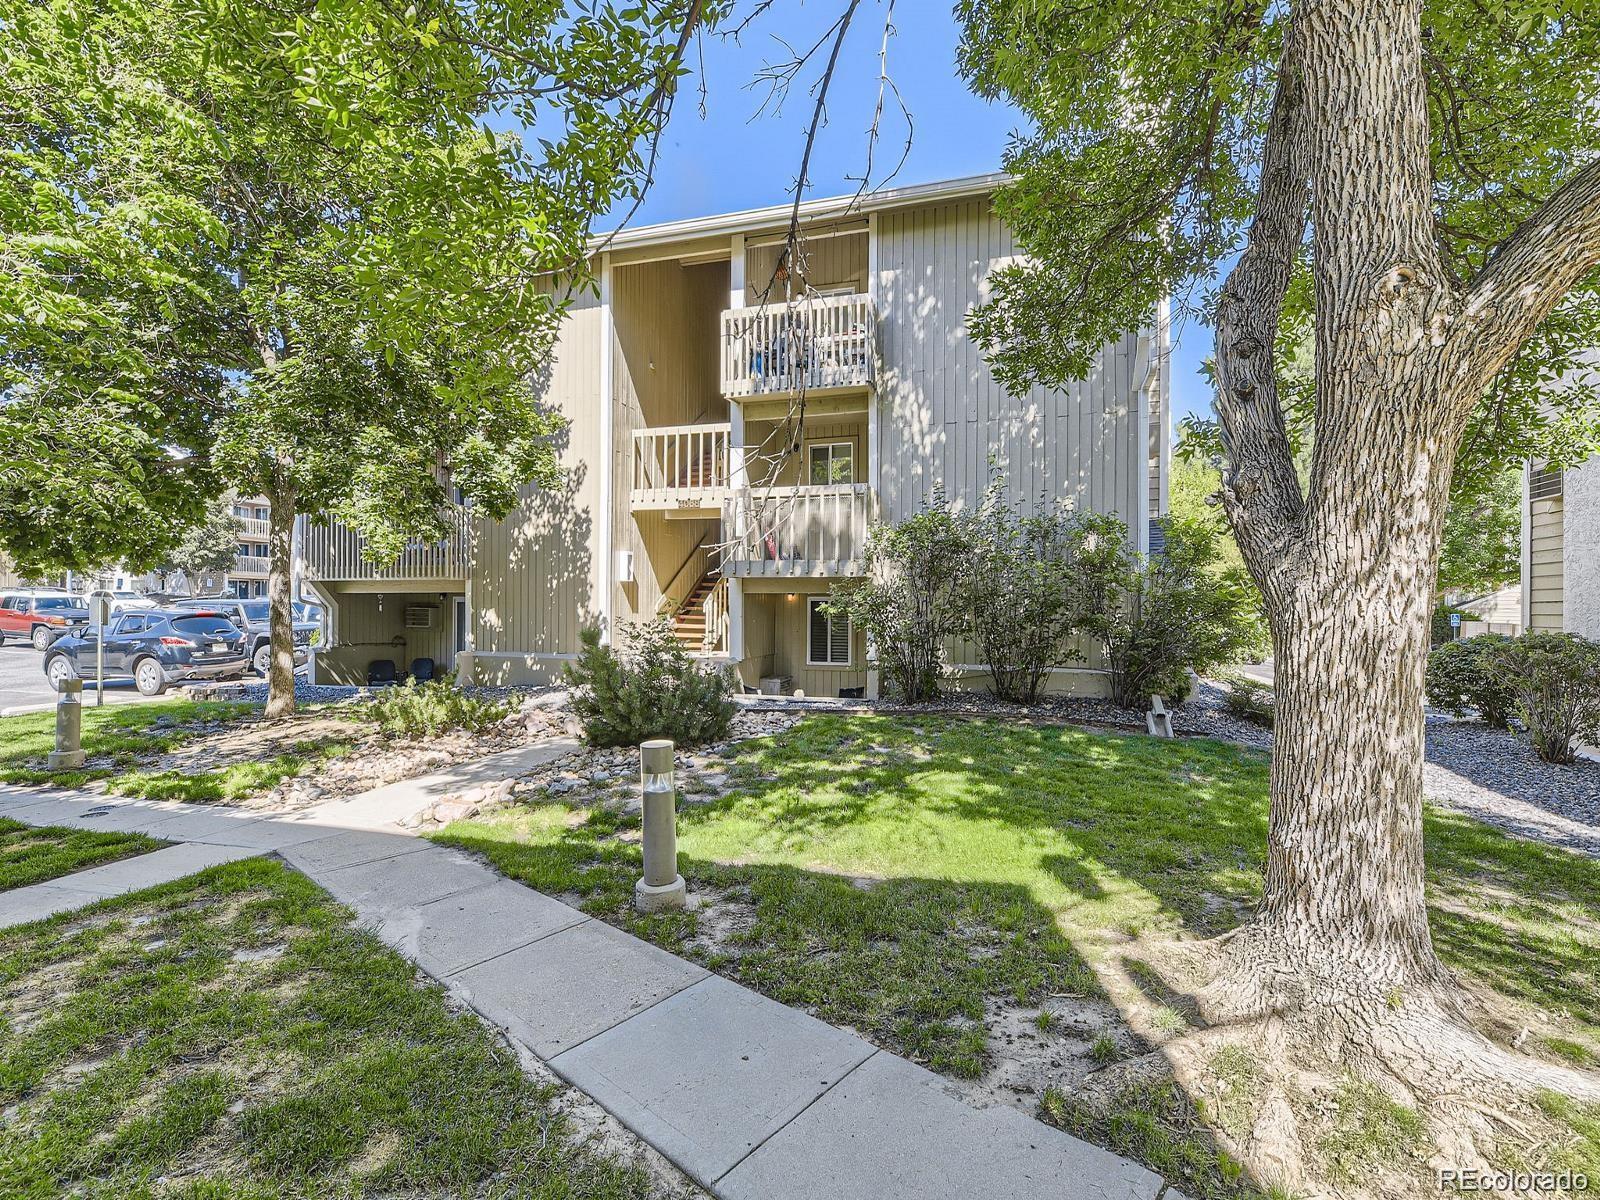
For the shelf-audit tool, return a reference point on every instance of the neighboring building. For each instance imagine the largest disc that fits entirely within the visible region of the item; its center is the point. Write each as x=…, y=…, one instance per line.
x=248, y=577
x=1561, y=549
x=1499, y=611
x=693, y=490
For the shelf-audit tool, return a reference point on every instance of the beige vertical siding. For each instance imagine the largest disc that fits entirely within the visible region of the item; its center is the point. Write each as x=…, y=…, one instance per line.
x=831, y=262
x=536, y=575
x=664, y=372
x=364, y=632
x=944, y=416
x=1546, y=585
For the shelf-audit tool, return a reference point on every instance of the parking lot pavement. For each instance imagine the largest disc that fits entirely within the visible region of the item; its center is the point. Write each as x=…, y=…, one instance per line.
x=23, y=687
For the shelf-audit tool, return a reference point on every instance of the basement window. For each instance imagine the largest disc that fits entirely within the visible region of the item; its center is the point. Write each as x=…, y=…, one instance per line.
x=827, y=637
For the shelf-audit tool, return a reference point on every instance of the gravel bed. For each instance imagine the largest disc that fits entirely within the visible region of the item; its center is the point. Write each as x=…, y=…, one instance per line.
x=255, y=692
x=1495, y=776
x=1202, y=715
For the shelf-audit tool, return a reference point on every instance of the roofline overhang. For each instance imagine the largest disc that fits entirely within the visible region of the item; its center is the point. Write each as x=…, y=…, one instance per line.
x=777, y=216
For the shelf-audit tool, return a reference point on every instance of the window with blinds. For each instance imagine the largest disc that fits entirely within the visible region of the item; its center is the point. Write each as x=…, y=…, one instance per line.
x=1545, y=484
x=827, y=638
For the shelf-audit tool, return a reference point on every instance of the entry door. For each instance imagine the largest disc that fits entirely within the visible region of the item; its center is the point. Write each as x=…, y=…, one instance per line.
x=461, y=624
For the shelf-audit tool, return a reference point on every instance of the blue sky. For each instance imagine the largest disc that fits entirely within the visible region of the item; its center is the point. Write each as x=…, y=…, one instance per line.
x=733, y=158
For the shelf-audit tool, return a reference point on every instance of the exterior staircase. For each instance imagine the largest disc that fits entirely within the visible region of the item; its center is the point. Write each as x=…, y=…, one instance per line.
x=689, y=621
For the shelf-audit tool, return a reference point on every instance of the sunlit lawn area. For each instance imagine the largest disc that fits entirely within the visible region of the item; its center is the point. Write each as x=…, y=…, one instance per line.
x=233, y=1036
x=115, y=737
x=31, y=855
x=124, y=742
x=905, y=877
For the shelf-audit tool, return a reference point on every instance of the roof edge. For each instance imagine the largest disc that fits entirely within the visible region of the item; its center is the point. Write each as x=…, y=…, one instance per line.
x=810, y=211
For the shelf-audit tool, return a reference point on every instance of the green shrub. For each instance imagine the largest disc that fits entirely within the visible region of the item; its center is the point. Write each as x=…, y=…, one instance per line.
x=910, y=599
x=652, y=689
x=1176, y=614
x=1249, y=699
x=428, y=709
x=1554, y=682
x=1463, y=677
x=1033, y=584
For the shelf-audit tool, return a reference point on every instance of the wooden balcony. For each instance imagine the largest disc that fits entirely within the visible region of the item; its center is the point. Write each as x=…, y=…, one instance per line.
x=254, y=527
x=815, y=344
x=331, y=553
x=680, y=469
x=252, y=565
x=799, y=531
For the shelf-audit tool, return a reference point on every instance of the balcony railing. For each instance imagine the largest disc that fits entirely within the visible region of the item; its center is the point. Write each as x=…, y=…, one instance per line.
x=254, y=527
x=253, y=565
x=815, y=343
x=332, y=552
x=819, y=530
x=680, y=466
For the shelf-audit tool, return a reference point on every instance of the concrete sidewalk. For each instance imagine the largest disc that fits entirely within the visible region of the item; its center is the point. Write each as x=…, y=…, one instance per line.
x=753, y=1100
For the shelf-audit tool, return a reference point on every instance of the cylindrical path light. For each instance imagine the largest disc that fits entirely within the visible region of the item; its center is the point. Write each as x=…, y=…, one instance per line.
x=68, y=754
x=662, y=888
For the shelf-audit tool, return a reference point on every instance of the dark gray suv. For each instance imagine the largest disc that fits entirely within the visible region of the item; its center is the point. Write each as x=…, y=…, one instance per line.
x=252, y=616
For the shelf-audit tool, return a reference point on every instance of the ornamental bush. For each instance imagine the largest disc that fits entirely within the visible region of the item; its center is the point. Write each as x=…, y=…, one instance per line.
x=1464, y=677
x=1176, y=613
x=1249, y=699
x=652, y=688
x=1033, y=584
x=911, y=597
x=1554, y=683
x=418, y=710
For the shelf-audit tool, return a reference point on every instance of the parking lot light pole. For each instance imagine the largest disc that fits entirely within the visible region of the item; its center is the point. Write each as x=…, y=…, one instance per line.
x=68, y=754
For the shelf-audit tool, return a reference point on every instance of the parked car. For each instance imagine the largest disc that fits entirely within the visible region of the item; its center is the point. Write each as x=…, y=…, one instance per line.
x=252, y=616
x=155, y=649
x=39, y=614
x=122, y=601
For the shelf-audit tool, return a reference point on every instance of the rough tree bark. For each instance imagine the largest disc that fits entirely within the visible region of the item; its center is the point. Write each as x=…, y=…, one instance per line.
x=1347, y=569
x=280, y=567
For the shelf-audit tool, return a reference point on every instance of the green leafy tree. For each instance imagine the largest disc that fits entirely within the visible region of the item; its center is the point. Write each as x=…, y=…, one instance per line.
x=286, y=250
x=207, y=548
x=1442, y=158
x=1481, y=550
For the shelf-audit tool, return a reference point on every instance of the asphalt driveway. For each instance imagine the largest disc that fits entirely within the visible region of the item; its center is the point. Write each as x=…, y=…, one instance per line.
x=23, y=687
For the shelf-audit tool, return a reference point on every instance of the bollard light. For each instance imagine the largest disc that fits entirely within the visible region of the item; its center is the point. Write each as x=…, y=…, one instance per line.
x=68, y=754
x=662, y=888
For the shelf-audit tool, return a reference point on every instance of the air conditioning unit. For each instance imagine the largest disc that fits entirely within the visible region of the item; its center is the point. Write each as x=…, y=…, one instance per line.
x=419, y=616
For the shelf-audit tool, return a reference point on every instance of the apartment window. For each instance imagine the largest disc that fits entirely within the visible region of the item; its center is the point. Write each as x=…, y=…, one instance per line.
x=831, y=462
x=1545, y=484
x=827, y=637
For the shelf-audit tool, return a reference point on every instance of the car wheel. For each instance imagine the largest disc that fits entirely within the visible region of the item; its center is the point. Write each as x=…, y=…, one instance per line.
x=147, y=677
x=59, y=669
x=261, y=661
x=42, y=637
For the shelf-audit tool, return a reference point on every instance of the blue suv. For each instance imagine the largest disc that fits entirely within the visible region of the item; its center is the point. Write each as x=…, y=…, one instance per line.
x=154, y=649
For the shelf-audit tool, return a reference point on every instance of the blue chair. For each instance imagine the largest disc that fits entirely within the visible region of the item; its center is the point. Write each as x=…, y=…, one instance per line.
x=380, y=670
x=422, y=669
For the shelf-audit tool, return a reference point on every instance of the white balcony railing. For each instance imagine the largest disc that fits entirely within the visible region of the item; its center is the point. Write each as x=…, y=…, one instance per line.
x=680, y=466
x=252, y=565
x=254, y=527
x=820, y=530
x=815, y=342
x=332, y=552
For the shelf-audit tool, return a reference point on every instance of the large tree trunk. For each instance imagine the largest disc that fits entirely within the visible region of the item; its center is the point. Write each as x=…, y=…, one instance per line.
x=280, y=567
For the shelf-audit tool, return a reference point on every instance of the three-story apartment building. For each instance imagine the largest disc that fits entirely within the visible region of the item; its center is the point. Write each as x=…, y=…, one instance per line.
x=728, y=450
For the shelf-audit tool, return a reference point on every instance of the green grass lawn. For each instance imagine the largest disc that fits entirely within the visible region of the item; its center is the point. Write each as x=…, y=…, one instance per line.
x=232, y=1037
x=905, y=876
x=31, y=855
x=114, y=737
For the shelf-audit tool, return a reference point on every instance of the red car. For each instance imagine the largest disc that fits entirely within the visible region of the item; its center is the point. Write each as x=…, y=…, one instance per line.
x=39, y=616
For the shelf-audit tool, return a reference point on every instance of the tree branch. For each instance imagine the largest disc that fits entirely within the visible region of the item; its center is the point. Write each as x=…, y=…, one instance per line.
x=1525, y=280
x=1260, y=490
